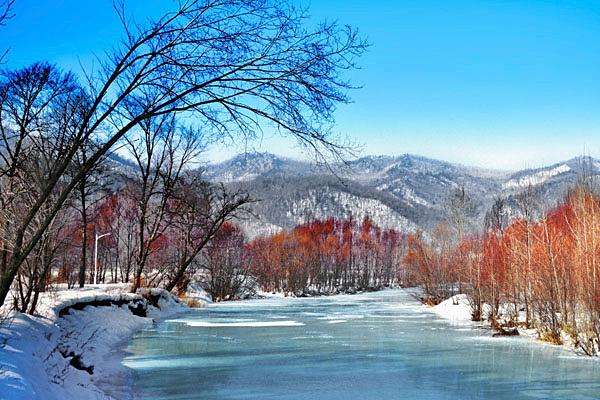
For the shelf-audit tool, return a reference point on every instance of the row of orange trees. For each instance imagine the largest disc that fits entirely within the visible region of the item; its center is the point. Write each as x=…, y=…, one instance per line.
x=318, y=257
x=543, y=274
x=326, y=257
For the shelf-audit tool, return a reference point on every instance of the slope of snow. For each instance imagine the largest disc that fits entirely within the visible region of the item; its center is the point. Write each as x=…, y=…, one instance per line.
x=536, y=178
x=344, y=205
x=76, y=355
x=457, y=309
x=409, y=195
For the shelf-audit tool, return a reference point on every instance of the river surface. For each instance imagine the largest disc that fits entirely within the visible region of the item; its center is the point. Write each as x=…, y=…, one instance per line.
x=369, y=346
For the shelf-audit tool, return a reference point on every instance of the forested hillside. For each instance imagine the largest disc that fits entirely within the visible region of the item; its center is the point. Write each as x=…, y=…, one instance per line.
x=406, y=192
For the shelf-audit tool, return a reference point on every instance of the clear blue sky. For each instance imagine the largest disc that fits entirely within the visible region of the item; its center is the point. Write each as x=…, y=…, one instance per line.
x=505, y=84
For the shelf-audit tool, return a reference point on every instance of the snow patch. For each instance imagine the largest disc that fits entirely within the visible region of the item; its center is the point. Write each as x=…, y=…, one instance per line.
x=321, y=205
x=253, y=324
x=537, y=178
x=456, y=309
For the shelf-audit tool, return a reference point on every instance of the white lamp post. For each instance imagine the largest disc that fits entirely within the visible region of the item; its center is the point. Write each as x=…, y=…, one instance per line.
x=96, y=257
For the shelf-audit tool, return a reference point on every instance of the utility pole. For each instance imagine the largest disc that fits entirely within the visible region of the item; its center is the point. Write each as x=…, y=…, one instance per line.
x=96, y=256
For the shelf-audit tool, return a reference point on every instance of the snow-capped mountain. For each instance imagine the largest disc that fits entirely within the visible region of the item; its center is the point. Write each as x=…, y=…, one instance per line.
x=535, y=178
x=419, y=181
x=248, y=166
x=407, y=192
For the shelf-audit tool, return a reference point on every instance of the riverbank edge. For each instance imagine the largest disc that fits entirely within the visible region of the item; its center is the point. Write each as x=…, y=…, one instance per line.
x=456, y=310
x=119, y=386
x=73, y=347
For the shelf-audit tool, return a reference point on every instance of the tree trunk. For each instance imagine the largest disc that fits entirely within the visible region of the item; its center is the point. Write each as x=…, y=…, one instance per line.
x=82, y=266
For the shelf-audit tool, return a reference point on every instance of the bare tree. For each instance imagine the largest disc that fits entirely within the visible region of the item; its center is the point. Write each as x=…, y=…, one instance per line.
x=528, y=203
x=496, y=218
x=5, y=11
x=89, y=192
x=200, y=211
x=587, y=176
x=460, y=211
x=39, y=107
x=25, y=177
x=5, y=14
x=224, y=273
x=233, y=65
x=529, y=206
x=161, y=153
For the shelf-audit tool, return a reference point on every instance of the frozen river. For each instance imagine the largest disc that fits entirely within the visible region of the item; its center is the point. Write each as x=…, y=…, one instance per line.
x=369, y=346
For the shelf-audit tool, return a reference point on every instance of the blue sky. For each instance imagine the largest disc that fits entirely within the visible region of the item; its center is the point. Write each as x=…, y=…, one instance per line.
x=503, y=84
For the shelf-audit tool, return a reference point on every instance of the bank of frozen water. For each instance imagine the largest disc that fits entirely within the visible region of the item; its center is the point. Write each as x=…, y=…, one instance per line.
x=72, y=348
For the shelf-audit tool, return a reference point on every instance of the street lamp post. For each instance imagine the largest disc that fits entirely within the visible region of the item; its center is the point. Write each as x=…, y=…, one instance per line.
x=96, y=256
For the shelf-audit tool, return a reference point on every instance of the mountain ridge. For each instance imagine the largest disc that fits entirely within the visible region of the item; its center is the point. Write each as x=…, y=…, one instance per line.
x=406, y=192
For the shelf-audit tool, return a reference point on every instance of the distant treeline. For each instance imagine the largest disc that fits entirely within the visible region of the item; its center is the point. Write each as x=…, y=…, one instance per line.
x=327, y=256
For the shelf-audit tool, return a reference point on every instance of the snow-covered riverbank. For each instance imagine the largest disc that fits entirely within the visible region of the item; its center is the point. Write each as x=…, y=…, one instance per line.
x=72, y=349
x=457, y=311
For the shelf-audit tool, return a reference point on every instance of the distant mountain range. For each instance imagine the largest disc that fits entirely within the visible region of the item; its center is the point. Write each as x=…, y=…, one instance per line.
x=406, y=192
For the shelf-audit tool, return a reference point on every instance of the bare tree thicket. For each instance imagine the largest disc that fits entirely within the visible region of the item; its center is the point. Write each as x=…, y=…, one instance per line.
x=461, y=210
x=226, y=68
x=538, y=270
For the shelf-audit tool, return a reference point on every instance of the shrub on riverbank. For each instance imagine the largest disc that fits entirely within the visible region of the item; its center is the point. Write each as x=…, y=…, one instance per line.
x=543, y=274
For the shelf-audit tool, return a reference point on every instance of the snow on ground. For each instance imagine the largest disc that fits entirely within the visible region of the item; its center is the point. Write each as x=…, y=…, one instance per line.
x=456, y=309
x=75, y=353
x=197, y=293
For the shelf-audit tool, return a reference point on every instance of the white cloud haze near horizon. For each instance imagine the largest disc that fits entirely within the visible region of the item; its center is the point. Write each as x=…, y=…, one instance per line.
x=512, y=157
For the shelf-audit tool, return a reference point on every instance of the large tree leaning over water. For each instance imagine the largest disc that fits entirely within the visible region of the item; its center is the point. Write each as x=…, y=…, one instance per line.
x=228, y=67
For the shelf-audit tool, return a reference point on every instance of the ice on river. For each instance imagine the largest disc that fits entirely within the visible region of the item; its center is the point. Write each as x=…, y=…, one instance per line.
x=253, y=324
x=371, y=346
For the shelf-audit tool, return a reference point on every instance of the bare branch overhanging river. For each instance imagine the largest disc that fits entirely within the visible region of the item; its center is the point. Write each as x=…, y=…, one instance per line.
x=381, y=345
